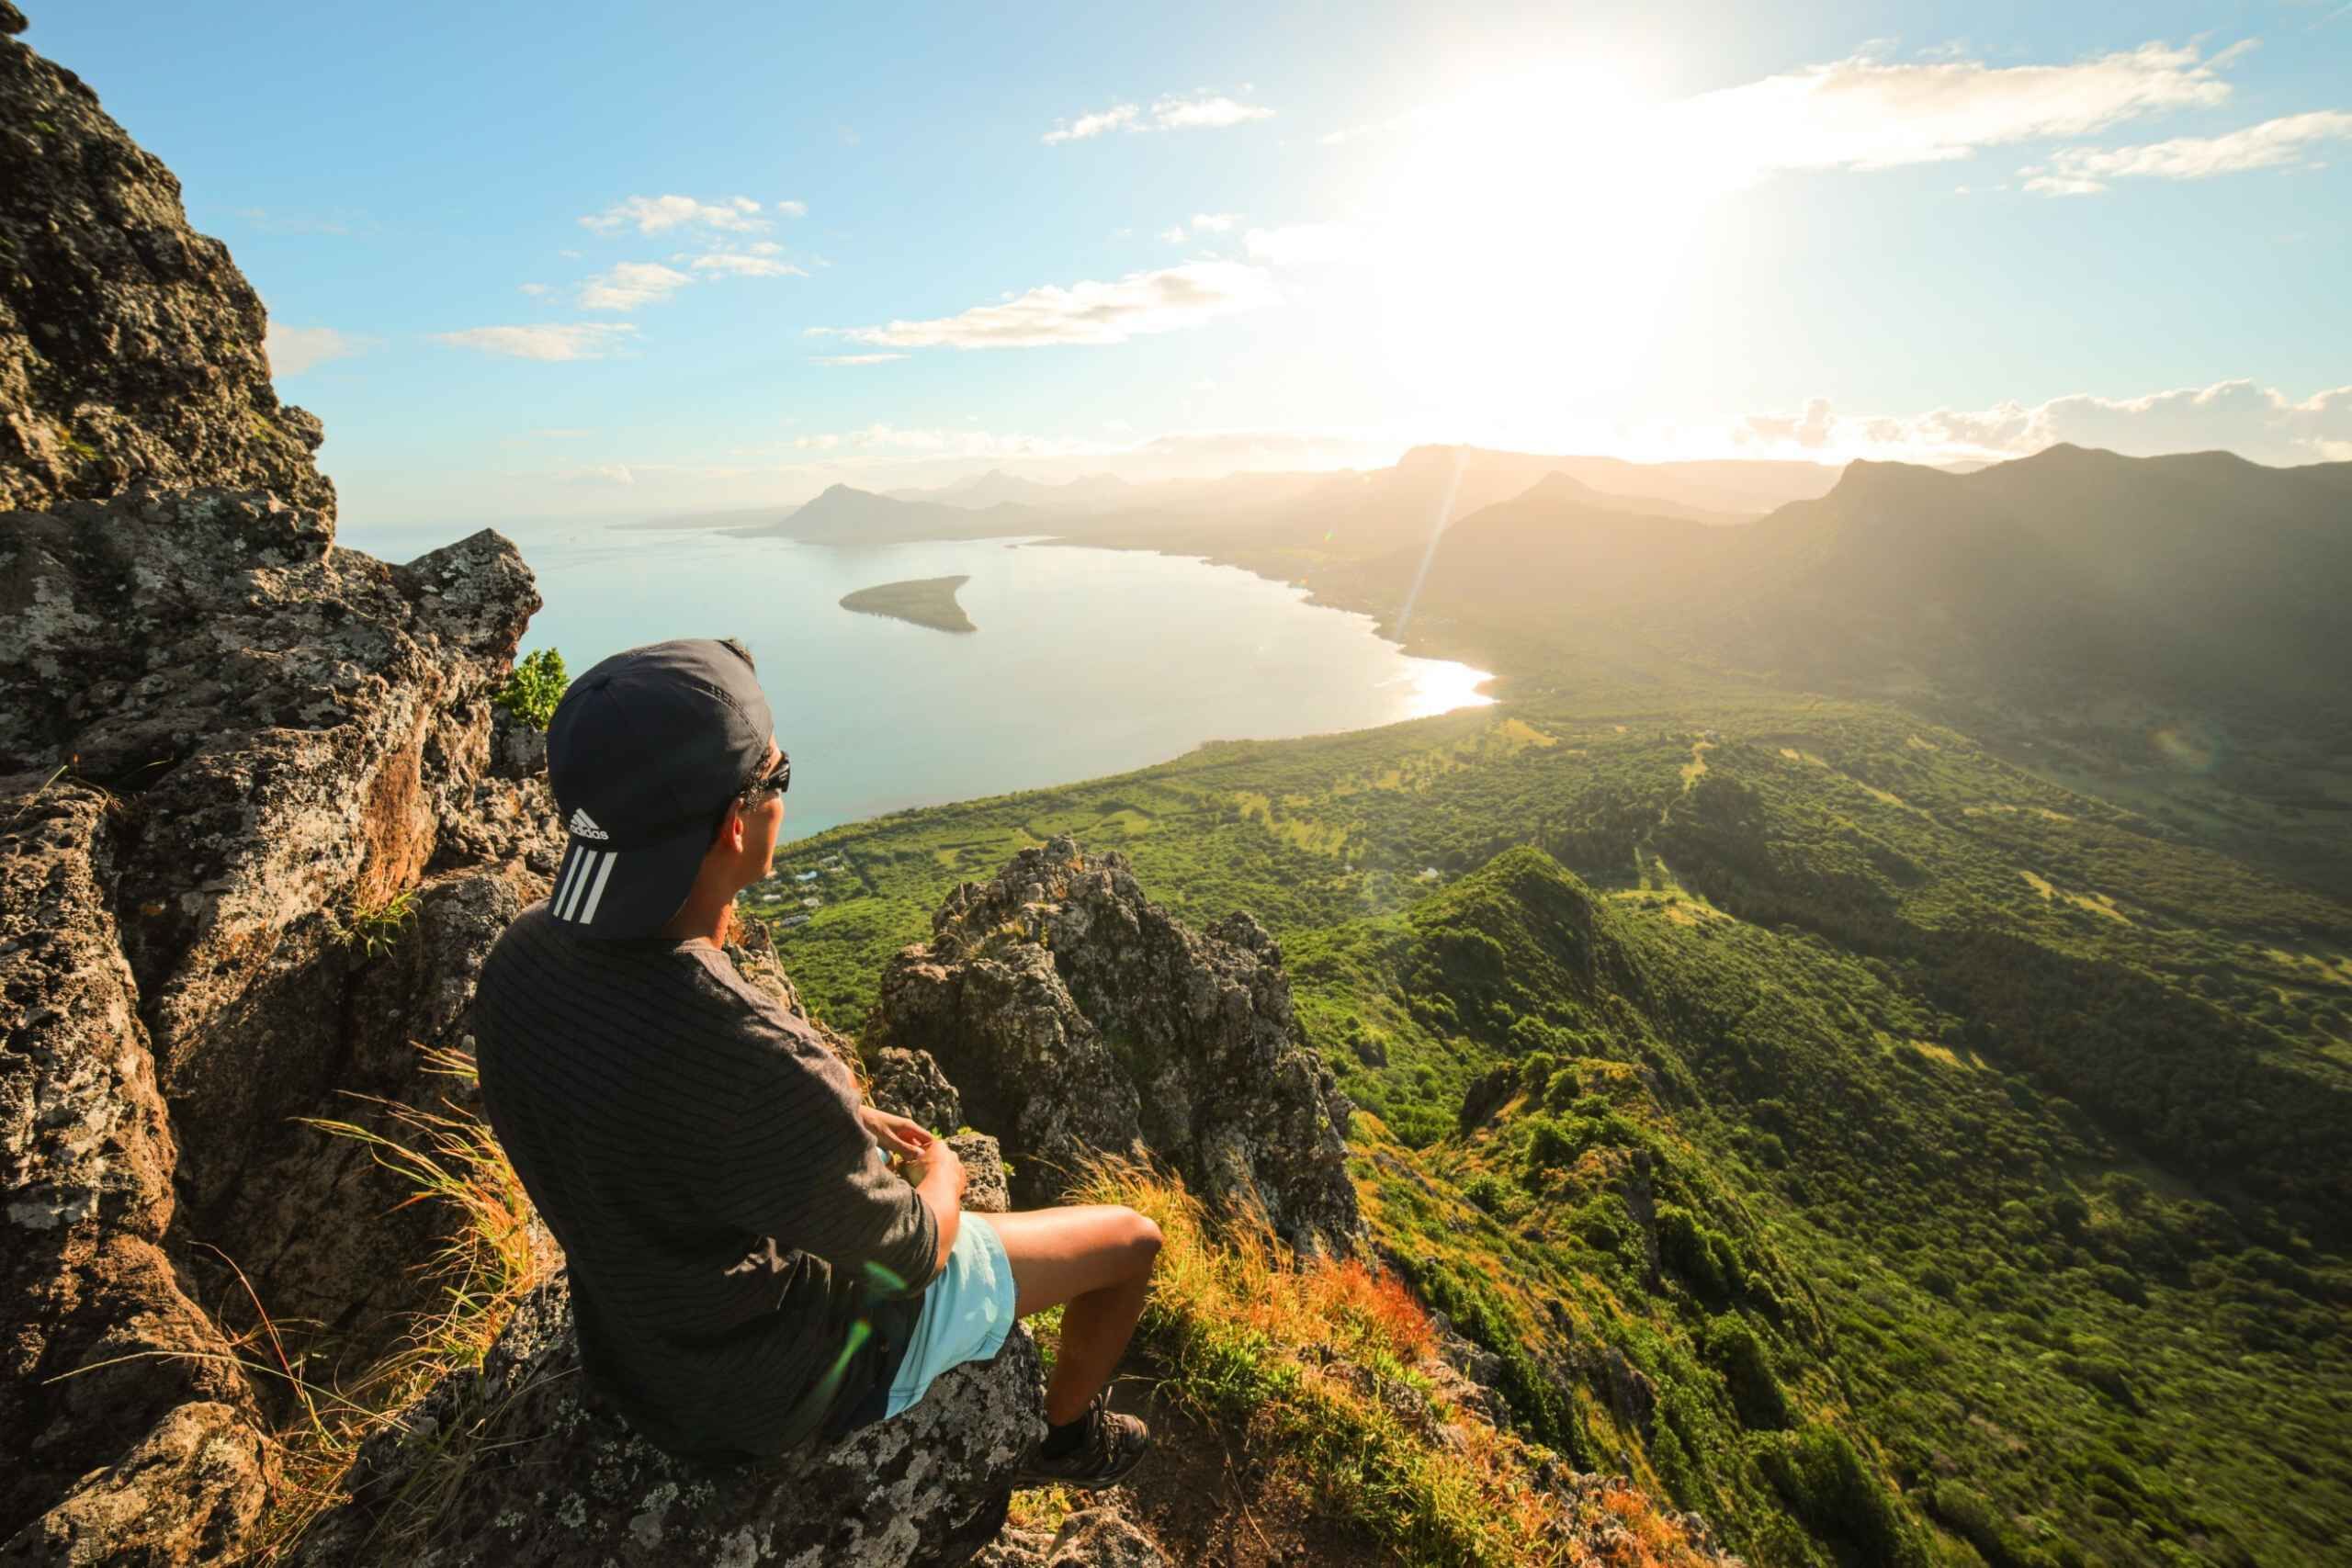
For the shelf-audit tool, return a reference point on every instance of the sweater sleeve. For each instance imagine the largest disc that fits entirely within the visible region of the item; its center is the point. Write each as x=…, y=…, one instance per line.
x=798, y=1165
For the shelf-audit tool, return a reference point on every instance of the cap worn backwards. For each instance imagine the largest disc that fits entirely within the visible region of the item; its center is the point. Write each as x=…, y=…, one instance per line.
x=643, y=752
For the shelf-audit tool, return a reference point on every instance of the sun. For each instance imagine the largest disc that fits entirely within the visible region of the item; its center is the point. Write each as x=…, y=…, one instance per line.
x=1528, y=240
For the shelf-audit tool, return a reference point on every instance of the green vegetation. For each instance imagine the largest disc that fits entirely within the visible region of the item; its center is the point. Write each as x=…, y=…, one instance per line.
x=534, y=688
x=1325, y=1371
x=923, y=601
x=376, y=928
x=1842, y=1183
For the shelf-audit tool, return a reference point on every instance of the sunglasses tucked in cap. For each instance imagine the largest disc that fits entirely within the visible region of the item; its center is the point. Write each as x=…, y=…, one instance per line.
x=645, y=750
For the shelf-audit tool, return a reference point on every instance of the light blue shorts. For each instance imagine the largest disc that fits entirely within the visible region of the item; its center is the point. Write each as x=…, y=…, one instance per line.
x=967, y=1312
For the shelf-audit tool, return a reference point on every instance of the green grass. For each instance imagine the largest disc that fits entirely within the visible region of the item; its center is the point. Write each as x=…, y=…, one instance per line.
x=375, y=929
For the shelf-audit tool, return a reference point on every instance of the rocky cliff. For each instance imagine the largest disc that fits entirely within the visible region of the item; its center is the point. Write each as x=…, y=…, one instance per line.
x=1078, y=1018
x=251, y=843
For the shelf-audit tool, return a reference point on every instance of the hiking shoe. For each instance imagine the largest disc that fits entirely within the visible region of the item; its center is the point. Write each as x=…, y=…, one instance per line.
x=1109, y=1445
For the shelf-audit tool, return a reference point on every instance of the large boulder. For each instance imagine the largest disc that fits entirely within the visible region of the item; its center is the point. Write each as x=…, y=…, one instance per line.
x=290, y=727
x=131, y=346
x=1077, y=1017
x=514, y=1466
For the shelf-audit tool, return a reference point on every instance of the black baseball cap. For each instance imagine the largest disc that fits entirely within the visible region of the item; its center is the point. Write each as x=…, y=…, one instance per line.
x=643, y=752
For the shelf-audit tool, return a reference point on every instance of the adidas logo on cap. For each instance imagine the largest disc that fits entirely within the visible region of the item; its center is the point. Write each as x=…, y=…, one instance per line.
x=584, y=826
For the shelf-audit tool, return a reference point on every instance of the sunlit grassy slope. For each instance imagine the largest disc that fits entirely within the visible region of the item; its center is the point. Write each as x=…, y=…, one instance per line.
x=1896, y=1156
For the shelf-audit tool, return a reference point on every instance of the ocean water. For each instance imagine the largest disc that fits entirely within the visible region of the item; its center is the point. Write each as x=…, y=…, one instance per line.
x=1086, y=661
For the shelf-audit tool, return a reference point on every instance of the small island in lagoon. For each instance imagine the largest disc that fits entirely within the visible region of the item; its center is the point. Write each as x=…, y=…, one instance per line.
x=925, y=601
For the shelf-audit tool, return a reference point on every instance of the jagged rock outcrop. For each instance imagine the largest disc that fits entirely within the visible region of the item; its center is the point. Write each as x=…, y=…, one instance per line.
x=131, y=346
x=523, y=1472
x=1077, y=1017
x=251, y=838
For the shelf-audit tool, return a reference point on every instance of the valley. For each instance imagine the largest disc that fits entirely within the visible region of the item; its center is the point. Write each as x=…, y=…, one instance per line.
x=1873, y=1133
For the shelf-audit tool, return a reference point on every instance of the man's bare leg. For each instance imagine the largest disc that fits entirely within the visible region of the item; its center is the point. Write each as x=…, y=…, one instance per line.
x=1093, y=1259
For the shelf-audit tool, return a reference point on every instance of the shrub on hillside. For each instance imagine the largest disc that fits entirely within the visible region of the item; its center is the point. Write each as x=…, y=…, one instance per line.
x=1834, y=1494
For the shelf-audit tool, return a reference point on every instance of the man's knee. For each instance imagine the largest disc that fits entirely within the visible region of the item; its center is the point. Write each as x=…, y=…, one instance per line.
x=1142, y=1241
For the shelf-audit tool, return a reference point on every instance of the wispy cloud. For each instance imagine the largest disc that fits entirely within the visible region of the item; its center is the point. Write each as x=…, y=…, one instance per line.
x=2081, y=171
x=536, y=290
x=1209, y=111
x=1086, y=125
x=1173, y=234
x=855, y=358
x=1140, y=304
x=577, y=340
x=2261, y=422
x=1214, y=222
x=1866, y=112
x=1193, y=111
x=629, y=285
x=739, y=264
x=656, y=214
x=792, y=208
x=293, y=350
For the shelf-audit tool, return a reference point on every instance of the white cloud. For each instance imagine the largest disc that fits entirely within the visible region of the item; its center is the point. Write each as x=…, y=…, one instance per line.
x=855, y=358
x=1173, y=234
x=579, y=340
x=534, y=289
x=600, y=473
x=2080, y=171
x=1093, y=124
x=736, y=264
x=629, y=285
x=792, y=208
x=654, y=214
x=1864, y=112
x=1194, y=111
x=2256, y=421
x=1214, y=222
x=293, y=350
x=1136, y=305
x=1205, y=111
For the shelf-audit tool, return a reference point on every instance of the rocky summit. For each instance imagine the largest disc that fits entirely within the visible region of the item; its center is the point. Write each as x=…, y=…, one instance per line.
x=129, y=344
x=1078, y=1018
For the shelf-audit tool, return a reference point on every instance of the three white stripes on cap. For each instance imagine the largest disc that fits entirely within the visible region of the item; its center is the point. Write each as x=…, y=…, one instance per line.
x=585, y=873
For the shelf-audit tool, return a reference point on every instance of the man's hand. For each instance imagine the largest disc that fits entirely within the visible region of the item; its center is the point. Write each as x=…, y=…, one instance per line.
x=941, y=1164
x=896, y=1133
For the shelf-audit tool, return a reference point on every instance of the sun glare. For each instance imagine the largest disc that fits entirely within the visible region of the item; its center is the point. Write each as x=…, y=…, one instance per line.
x=1529, y=240
x=1441, y=685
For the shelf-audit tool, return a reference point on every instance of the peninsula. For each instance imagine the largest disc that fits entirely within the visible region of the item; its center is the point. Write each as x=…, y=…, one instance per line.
x=925, y=601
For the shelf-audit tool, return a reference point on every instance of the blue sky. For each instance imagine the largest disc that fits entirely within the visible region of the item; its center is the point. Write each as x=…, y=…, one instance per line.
x=619, y=257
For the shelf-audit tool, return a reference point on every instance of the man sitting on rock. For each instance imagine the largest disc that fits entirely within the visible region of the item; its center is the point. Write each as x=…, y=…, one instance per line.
x=748, y=1272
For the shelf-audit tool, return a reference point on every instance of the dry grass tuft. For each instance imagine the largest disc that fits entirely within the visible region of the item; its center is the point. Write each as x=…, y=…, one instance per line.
x=496, y=1253
x=1325, y=1371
